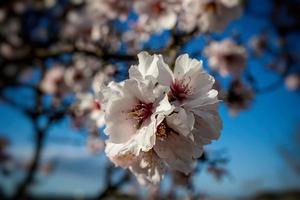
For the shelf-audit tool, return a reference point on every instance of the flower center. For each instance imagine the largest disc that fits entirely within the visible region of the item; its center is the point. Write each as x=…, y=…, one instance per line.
x=148, y=157
x=211, y=7
x=157, y=7
x=179, y=90
x=78, y=75
x=58, y=81
x=161, y=131
x=96, y=105
x=141, y=112
x=231, y=58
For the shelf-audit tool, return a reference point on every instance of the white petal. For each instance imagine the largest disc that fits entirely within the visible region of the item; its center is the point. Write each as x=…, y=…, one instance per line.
x=134, y=73
x=148, y=65
x=183, y=64
x=205, y=99
x=182, y=122
x=122, y=155
x=142, y=91
x=145, y=136
x=200, y=83
x=178, y=152
x=165, y=76
x=119, y=127
x=149, y=169
x=208, y=122
x=163, y=107
x=168, y=21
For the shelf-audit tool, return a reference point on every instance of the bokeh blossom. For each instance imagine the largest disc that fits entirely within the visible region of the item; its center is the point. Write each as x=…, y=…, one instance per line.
x=209, y=15
x=292, y=82
x=226, y=57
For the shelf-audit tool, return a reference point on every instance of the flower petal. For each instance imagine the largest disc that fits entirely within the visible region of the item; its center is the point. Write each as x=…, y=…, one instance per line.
x=149, y=169
x=182, y=122
x=178, y=152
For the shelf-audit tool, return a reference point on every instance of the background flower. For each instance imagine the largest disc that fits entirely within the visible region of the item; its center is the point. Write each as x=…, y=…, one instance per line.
x=226, y=57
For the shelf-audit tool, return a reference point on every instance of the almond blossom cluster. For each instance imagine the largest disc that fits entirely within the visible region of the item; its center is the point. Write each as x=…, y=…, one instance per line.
x=93, y=23
x=206, y=15
x=161, y=117
x=80, y=79
x=209, y=15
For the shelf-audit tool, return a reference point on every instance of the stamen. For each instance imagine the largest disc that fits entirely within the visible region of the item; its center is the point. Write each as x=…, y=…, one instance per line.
x=125, y=159
x=78, y=75
x=140, y=113
x=162, y=131
x=148, y=157
x=179, y=90
x=96, y=105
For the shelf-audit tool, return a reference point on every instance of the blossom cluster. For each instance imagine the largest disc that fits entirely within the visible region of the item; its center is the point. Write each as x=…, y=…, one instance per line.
x=161, y=117
x=93, y=23
x=157, y=15
x=80, y=79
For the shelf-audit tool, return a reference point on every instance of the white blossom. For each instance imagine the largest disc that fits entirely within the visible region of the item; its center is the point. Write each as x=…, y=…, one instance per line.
x=86, y=27
x=226, y=57
x=190, y=88
x=292, y=82
x=135, y=37
x=215, y=15
x=157, y=15
x=111, y=9
x=87, y=112
x=78, y=77
x=239, y=97
x=156, y=110
x=136, y=107
x=53, y=82
x=209, y=15
x=188, y=16
x=102, y=78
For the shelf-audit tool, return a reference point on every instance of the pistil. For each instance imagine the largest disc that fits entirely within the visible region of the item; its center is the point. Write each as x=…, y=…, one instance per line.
x=140, y=113
x=179, y=90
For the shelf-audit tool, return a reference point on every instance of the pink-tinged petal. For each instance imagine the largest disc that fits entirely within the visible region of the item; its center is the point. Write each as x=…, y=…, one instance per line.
x=208, y=122
x=200, y=83
x=163, y=107
x=205, y=99
x=143, y=91
x=120, y=127
x=182, y=122
x=178, y=152
x=145, y=136
x=148, y=64
x=120, y=131
x=134, y=73
x=183, y=64
x=141, y=116
x=165, y=76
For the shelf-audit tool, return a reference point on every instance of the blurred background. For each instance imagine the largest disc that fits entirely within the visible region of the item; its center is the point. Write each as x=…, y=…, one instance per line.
x=54, y=54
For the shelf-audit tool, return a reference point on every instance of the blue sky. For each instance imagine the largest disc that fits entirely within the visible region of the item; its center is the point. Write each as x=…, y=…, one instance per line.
x=252, y=139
